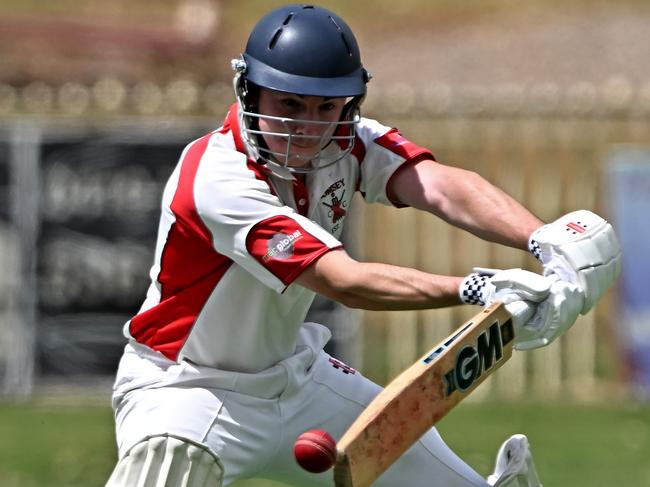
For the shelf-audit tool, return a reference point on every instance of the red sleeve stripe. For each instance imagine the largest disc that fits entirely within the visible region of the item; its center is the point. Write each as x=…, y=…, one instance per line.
x=283, y=247
x=396, y=143
x=396, y=203
x=411, y=152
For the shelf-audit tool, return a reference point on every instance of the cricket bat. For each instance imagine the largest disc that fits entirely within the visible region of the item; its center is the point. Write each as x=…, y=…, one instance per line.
x=421, y=395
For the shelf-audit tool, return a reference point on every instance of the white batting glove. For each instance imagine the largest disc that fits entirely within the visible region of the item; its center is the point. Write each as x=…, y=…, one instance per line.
x=484, y=286
x=521, y=291
x=542, y=307
x=581, y=248
x=553, y=316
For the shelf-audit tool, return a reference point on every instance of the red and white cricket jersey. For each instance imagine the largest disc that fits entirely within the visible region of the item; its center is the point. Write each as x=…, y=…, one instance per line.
x=233, y=237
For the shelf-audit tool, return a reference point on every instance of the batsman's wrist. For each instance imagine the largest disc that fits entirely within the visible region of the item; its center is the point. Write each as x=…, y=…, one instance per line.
x=472, y=289
x=533, y=245
x=535, y=249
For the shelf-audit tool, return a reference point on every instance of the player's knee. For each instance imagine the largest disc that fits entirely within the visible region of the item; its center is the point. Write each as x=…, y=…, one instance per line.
x=167, y=461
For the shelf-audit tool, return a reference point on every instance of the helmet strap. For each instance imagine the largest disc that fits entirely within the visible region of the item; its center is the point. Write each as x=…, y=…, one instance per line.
x=352, y=107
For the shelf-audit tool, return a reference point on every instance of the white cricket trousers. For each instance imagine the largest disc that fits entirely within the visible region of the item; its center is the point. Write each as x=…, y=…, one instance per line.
x=250, y=421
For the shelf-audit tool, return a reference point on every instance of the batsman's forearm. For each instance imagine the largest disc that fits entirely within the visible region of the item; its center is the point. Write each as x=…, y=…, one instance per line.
x=377, y=286
x=385, y=287
x=466, y=200
x=472, y=203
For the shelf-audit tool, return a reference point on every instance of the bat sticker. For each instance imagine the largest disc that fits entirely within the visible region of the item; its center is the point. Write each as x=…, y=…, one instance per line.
x=432, y=356
x=473, y=360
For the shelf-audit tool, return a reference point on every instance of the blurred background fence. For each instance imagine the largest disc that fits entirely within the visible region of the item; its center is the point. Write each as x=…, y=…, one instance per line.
x=550, y=99
x=81, y=175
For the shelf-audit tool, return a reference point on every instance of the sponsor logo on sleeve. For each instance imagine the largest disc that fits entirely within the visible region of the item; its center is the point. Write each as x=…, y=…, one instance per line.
x=281, y=245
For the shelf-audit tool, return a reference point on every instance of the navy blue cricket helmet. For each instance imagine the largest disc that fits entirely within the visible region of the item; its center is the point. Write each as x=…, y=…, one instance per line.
x=306, y=50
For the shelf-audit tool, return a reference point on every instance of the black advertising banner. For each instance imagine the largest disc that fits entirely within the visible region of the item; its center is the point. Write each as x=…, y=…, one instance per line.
x=100, y=201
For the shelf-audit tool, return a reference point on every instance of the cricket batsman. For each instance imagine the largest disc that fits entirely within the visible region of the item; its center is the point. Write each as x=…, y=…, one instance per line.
x=220, y=373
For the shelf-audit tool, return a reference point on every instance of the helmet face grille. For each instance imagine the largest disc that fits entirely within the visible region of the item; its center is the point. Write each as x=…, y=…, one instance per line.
x=333, y=144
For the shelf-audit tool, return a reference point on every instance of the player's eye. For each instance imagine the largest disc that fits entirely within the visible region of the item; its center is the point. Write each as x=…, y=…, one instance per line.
x=290, y=103
x=328, y=107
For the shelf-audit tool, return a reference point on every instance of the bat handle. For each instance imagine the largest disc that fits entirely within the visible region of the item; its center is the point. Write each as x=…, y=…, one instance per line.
x=522, y=310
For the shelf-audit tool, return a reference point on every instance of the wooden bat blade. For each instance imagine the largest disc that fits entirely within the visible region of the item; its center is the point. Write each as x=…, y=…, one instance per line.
x=421, y=395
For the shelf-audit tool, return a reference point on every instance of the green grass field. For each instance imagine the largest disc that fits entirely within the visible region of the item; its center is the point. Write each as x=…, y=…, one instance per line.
x=595, y=446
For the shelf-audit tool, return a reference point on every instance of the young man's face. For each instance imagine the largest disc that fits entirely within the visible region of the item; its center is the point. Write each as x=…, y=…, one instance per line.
x=300, y=108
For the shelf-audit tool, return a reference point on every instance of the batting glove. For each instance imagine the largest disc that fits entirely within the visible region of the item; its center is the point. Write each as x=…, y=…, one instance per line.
x=518, y=289
x=484, y=286
x=581, y=248
x=553, y=316
x=542, y=307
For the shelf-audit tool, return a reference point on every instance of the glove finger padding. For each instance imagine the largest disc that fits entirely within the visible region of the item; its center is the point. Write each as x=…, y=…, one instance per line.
x=554, y=316
x=581, y=248
x=524, y=285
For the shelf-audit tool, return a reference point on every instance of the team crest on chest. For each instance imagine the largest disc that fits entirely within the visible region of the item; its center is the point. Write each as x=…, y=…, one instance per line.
x=334, y=199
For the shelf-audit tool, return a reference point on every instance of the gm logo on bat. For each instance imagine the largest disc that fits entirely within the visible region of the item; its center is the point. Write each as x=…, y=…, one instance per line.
x=474, y=360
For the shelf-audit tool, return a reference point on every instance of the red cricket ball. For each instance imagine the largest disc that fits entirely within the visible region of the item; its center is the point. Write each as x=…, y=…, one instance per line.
x=315, y=451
